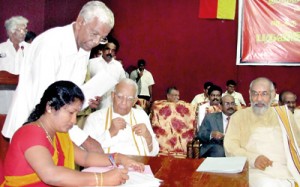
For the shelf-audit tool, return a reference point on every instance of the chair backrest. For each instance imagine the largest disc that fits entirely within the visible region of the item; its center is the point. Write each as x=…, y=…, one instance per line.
x=3, y=148
x=297, y=115
x=143, y=104
x=1, y=172
x=174, y=126
x=4, y=142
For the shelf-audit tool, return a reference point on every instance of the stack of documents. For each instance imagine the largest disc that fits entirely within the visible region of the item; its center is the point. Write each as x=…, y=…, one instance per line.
x=222, y=164
x=136, y=179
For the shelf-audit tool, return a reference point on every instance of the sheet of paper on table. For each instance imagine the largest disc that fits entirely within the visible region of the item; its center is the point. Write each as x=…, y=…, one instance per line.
x=222, y=165
x=136, y=179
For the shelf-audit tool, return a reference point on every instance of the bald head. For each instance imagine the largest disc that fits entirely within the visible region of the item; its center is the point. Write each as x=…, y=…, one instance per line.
x=288, y=98
x=124, y=96
x=228, y=105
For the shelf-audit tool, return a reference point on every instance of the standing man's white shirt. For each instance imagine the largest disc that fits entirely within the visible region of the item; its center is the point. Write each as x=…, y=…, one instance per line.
x=114, y=68
x=10, y=61
x=238, y=98
x=124, y=141
x=202, y=113
x=200, y=98
x=145, y=81
x=52, y=56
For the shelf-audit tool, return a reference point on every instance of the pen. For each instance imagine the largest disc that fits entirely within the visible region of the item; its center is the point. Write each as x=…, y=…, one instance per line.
x=112, y=160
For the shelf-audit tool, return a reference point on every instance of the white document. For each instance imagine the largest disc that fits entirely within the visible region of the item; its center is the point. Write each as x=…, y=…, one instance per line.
x=136, y=179
x=222, y=165
x=97, y=86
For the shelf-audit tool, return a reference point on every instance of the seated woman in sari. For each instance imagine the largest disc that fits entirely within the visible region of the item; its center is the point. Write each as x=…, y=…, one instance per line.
x=42, y=154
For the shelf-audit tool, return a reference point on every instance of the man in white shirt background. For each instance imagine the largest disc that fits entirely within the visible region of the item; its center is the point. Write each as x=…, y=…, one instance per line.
x=230, y=89
x=203, y=97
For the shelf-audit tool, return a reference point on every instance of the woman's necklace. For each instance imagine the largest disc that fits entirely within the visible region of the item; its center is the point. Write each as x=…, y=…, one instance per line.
x=47, y=133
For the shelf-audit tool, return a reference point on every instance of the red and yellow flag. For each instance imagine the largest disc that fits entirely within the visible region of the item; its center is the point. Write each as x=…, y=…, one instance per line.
x=217, y=9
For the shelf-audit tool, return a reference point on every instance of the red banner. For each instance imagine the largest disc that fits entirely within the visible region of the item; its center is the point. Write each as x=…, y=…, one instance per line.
x=270, y=32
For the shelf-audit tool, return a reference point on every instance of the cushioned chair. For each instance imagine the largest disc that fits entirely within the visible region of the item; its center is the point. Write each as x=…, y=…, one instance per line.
x=297, y=115
x=1, y=172
x=4, y=142
x=3, y=148
x=174, y=126
x=143, y=104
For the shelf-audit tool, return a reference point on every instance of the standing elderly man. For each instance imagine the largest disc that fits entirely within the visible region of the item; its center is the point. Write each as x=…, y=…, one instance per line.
x=11, y=55
x=60, y=53
x=122, y=128
x=266, y=136
x=213, y=129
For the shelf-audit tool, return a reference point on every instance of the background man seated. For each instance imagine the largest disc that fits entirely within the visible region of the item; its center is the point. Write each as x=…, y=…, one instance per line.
x=213, y=129
x=121, y=128
x=259, y=133
x=173, y=94
x=238, y=97
x=288, y=98
x=203, y=97
x=214, y=93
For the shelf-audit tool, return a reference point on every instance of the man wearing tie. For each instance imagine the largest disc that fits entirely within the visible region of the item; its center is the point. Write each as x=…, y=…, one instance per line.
x=213, y=129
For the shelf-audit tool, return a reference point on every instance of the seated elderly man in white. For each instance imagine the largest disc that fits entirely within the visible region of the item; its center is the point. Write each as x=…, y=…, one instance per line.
x=121, y=128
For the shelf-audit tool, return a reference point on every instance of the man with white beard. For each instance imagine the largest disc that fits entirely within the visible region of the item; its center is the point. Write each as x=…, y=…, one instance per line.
x=267, y=136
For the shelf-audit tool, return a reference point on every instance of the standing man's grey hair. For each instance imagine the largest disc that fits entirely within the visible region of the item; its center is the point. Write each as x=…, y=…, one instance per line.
x=97, y=9
x=128, y=82
x=12, y=23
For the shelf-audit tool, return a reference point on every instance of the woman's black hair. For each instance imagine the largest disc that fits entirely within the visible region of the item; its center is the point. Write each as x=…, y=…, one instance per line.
x=56, y=96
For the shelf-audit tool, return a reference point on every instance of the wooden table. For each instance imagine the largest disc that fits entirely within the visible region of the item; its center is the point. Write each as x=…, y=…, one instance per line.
x=182, y=172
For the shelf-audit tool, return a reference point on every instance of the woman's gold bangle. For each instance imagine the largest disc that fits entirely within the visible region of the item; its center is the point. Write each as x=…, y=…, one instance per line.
x=101, y=179
x=97, y=180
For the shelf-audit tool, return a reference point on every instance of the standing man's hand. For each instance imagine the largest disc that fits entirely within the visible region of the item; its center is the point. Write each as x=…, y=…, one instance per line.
x=94, y=103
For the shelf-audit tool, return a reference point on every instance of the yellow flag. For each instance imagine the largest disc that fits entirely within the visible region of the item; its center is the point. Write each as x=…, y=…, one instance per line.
x=226, y=9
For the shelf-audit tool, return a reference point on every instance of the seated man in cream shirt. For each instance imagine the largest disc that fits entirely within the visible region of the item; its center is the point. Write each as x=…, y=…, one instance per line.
x=259, y=133
x=121, y=128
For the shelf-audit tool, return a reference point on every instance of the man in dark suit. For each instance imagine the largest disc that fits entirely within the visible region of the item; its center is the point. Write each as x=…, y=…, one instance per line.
x=213, y=128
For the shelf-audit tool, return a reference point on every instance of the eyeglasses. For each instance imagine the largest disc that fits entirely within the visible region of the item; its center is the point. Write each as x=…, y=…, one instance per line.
x=96, y=36
x=24, y=30
x=290, y=102
x=99, y=39
x=262, y=94
x=129, y=99
x=227, y=104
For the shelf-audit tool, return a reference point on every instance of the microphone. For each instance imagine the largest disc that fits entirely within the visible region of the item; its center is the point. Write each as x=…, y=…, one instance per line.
x=22, y=47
